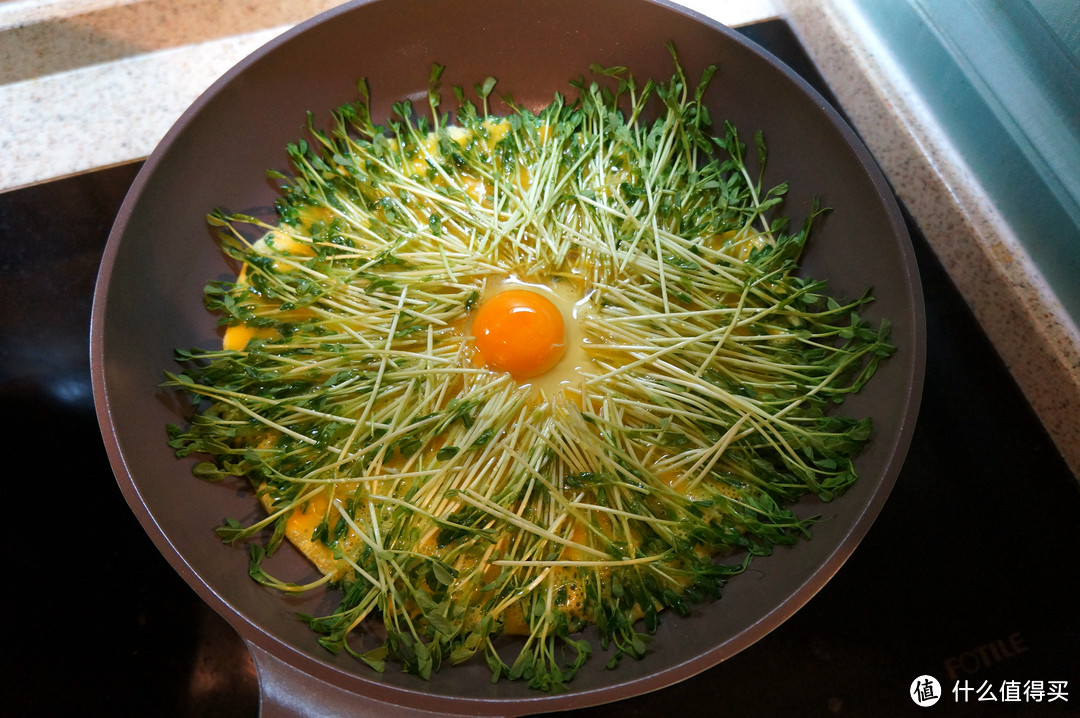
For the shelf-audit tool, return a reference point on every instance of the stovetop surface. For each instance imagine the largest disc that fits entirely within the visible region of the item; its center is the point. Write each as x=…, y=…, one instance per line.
x=969, y=574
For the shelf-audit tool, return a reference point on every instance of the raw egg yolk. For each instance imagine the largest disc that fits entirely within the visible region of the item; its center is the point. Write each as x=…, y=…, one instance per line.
x=519, y=332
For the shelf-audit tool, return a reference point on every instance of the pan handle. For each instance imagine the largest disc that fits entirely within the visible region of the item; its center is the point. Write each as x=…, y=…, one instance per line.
x=287, y=692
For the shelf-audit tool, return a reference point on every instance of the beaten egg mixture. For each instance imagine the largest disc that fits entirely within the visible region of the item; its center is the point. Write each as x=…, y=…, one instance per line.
x=519, y=375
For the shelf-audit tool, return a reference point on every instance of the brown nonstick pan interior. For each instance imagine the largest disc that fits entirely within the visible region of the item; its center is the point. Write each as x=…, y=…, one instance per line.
x=161, y=254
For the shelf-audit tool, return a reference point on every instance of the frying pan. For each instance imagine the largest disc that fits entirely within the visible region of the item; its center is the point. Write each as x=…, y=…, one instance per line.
x=160, y=254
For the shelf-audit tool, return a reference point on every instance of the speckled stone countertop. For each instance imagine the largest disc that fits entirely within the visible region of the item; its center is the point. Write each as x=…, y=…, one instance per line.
x=91, y=83
x=86, y=84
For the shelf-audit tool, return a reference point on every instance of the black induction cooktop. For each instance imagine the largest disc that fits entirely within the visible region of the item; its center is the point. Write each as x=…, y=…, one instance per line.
x=969, y=576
